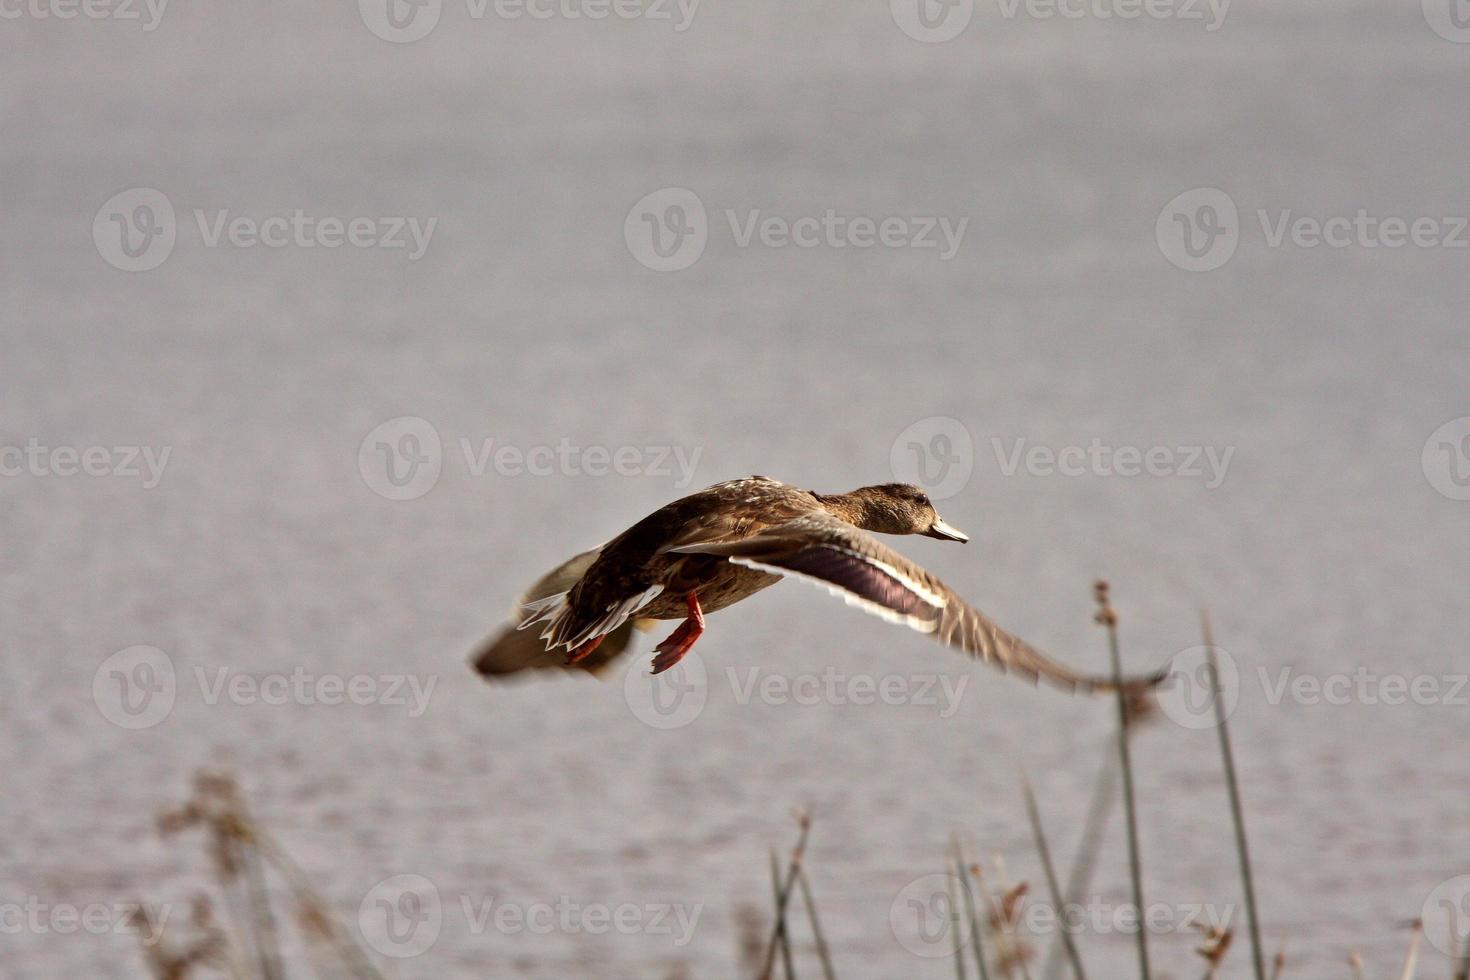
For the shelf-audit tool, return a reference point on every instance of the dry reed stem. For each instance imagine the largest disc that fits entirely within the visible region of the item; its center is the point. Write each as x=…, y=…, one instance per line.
x=1237, y=812
x=783, y=893
x=824, y=954
x=1033, y=814
x=1108, y=618
x=1411, y=962
x=975, y=938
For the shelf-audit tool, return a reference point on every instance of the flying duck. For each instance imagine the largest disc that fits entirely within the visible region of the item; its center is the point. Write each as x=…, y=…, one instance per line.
x=727, y=542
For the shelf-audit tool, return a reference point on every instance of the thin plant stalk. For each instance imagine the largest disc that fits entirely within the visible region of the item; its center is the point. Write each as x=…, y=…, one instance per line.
x=307, y=897
x=1411, y=962
x=823, y=952
x=954, y=922
x=263, y=921
x=1005, y=927
x=975, y=940
x=1034, y=815
x=783, y=894
x=1237, y=814
x=783, y=938
x=1088, y=849
x=1109, y=619
x=1279, y=963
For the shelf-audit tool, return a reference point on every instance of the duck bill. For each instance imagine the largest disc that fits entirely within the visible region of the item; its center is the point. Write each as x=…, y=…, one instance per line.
x=941, y=530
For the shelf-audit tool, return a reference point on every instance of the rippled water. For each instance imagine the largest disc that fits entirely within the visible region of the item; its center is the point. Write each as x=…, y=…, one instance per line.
x=1325, y=549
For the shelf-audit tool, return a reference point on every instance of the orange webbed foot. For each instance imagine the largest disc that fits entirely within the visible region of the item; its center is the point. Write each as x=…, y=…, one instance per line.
x=582, y=651
x=679, y=642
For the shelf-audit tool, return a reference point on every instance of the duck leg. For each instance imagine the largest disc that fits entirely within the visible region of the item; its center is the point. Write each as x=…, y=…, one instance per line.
x=582, y=651
x=678, y=643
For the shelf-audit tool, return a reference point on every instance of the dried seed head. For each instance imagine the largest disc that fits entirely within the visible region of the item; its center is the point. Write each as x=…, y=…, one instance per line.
x=1216, y=942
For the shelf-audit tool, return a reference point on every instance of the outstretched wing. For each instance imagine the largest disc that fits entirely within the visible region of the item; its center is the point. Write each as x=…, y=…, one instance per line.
x=513, y=650
x=866, y=573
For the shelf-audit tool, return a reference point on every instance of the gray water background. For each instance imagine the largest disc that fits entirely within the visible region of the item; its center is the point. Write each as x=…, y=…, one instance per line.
x=1326, y=547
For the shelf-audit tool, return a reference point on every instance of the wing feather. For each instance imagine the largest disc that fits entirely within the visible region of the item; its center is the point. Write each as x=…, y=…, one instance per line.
x=515, y=649
x=868, y=574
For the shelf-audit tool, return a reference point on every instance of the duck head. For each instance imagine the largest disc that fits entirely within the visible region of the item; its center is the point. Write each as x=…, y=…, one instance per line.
x=892, y=508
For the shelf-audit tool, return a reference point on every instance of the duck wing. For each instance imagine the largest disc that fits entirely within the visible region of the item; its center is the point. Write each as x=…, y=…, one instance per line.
x=512, y=650
x=866, y=573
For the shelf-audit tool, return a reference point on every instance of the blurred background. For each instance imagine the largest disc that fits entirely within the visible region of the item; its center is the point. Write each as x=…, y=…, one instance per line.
x=328, y=328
